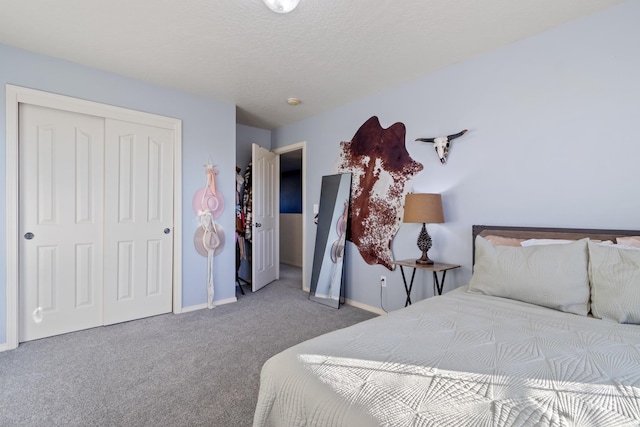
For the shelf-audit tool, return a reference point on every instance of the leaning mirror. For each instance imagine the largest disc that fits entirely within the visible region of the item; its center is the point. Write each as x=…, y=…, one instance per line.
x=331, y=235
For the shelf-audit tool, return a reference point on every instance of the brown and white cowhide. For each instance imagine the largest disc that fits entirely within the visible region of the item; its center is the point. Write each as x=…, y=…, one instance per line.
x=381, y=168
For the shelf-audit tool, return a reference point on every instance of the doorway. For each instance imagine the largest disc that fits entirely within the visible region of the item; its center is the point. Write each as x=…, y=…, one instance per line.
x=291, y=208
x=293, y=164
x=244, y=265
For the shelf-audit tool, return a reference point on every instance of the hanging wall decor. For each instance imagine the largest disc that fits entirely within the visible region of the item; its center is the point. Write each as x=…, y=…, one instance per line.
x=442, y=144
x=381, y=168
x=208, y=205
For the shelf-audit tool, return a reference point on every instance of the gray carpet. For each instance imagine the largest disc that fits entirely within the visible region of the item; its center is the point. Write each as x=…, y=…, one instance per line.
x=195, y=369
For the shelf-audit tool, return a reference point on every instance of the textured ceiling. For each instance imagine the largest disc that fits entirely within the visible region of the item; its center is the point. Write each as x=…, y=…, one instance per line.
x=326, y=52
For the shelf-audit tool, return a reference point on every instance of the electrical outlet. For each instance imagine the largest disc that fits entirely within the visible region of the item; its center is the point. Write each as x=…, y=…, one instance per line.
x=383, y=281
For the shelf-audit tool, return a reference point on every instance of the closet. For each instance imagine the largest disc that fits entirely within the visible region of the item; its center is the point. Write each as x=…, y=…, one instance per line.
x=95, y=218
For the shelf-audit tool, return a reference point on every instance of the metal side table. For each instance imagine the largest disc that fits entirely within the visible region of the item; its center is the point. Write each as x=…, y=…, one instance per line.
x=435, y=268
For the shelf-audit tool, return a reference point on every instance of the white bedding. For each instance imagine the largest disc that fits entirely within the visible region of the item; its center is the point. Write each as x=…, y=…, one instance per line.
x=459, y=360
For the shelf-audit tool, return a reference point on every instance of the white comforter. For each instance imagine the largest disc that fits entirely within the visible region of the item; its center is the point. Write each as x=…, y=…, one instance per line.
x=459, y=360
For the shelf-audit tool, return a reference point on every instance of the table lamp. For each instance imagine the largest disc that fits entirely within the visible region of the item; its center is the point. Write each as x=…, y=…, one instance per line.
x=423, y=208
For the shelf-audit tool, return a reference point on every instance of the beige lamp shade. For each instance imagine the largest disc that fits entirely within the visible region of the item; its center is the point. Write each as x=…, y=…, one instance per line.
x=423, y=208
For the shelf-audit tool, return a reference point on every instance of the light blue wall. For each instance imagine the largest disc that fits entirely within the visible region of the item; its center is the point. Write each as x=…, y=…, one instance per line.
x=245, y=137
x=552, y=142
x=208, y=130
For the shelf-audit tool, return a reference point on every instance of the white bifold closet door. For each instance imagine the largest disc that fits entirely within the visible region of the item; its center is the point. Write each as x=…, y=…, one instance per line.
x=138, y=221
x=96, y=200
x=61, y=221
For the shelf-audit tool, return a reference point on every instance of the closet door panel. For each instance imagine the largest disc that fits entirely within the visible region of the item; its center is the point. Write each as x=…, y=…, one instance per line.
x=138, y=221
x=61, y=204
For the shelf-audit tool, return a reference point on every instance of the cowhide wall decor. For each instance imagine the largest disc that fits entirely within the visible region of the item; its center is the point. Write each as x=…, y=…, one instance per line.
x=381, y=169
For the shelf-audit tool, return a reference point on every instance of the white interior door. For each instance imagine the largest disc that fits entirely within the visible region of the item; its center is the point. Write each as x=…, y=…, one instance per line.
x=265, y=188
x=138, y=221
x=60, y=224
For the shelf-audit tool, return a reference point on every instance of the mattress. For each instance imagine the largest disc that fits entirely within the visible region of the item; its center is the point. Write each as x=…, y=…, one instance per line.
x=460, y=359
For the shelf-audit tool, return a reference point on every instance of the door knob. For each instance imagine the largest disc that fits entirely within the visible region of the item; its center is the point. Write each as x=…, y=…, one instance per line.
x=29, y=236
x=167, y=230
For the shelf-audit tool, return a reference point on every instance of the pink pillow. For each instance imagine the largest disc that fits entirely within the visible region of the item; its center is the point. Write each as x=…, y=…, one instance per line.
x=503, y=241
x=633, y=241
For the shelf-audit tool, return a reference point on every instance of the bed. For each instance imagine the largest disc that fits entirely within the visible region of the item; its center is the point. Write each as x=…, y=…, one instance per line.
x=518, y=346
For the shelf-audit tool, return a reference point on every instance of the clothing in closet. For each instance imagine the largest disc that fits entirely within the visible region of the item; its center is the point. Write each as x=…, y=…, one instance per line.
x=247, y=203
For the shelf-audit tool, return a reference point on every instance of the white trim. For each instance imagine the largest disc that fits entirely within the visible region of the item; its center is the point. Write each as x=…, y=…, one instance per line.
x=204, y=306
x=77, y=105
x=226, y=301
x=16, y=95
x=276, y=191
x=12, y=208
x=366, y=307
x=194, y=308
x=286, y=149
x=177, y=219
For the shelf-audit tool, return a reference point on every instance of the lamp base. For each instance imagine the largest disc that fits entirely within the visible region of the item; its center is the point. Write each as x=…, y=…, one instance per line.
x=424, y=260
x=424, y=244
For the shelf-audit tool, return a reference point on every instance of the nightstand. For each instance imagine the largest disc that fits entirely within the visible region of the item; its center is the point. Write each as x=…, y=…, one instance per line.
x=435, y=268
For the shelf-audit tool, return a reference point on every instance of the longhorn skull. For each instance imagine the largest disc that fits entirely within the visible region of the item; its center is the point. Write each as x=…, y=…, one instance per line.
x=441, y=144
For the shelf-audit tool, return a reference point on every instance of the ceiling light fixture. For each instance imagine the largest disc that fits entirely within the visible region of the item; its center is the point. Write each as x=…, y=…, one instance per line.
x=281, y=6
x=293, y=101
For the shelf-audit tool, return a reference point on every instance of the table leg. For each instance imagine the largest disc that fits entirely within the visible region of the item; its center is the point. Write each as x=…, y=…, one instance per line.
x=437, y=285
x=408, y=288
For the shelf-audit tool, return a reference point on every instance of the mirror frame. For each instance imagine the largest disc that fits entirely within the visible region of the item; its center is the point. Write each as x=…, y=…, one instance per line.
x=327, y=274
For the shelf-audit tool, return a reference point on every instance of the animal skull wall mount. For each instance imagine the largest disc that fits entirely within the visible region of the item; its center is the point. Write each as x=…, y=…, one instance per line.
x=441, y=144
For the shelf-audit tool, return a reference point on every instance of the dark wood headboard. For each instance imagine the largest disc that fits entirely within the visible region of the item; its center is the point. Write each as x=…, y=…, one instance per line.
x=547, y=233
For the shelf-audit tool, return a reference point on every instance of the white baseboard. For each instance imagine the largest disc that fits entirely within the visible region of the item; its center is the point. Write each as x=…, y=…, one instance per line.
x=370, y=308
x=203, y=306
x=366, y=307
x=193, y=308
x=357, y=304
x=4, y=347
x=226, y=301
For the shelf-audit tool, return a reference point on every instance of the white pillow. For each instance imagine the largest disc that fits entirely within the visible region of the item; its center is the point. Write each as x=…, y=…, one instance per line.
x=621, y=246
x=554, y=276
x=615, y=283
x=535, y=242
